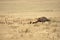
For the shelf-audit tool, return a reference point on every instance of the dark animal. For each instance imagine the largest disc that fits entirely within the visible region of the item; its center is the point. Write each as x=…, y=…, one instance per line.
x=42, y=19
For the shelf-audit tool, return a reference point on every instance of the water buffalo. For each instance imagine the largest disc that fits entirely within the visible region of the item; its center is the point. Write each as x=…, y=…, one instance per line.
x=42, y=19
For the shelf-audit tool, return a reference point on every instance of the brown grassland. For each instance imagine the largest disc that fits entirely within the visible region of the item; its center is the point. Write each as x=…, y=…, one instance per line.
x=16, y=28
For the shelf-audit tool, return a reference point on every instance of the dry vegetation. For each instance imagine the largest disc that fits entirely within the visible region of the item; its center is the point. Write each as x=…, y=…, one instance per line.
x=16, y=28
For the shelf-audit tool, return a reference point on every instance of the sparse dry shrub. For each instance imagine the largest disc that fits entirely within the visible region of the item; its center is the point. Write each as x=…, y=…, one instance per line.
x=9, y=20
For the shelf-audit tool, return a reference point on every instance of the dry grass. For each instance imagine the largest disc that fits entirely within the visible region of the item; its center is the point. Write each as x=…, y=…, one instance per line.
x=15, y=28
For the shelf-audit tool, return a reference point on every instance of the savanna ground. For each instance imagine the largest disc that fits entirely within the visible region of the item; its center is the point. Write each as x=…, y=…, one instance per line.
x=16, y=28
